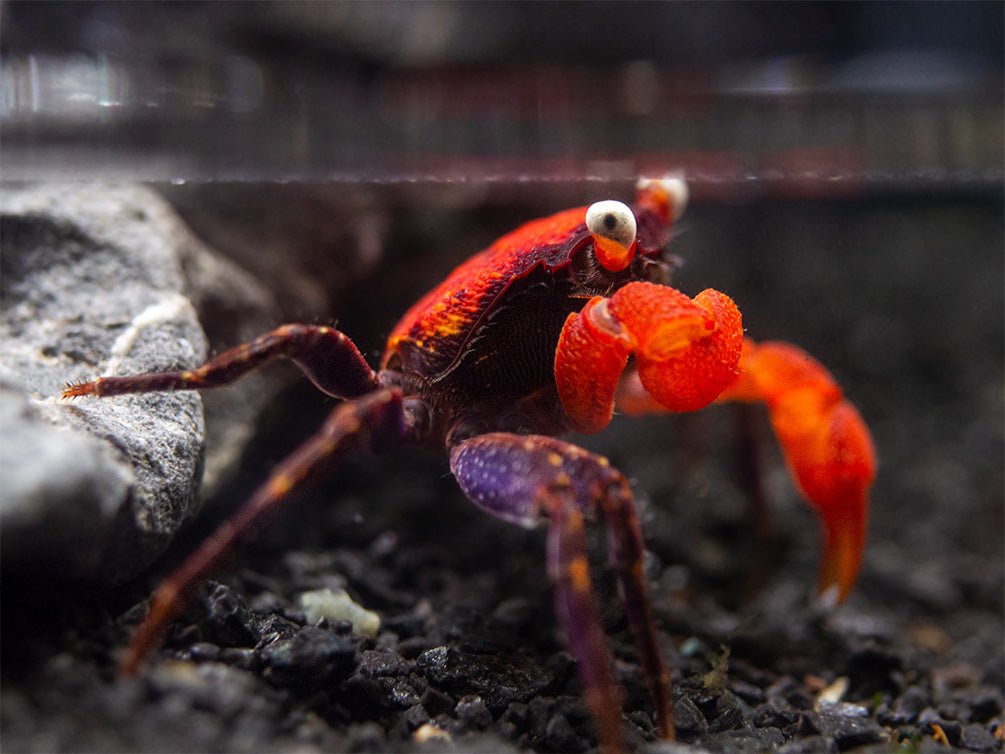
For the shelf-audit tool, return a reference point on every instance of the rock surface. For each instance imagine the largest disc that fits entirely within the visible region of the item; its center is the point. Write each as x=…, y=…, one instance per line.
x=94, y=284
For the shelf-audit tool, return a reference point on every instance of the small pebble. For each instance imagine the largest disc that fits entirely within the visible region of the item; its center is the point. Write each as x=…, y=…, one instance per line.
x=239, y=657
x=976, y=737
x=339, y=606
x=204, y=652
x=471, y=711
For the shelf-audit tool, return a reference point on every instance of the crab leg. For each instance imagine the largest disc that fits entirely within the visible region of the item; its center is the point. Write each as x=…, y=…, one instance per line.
x=375, y=422
x=527, y=479
x=686, y=350
x=825, y=441
x=328, y=357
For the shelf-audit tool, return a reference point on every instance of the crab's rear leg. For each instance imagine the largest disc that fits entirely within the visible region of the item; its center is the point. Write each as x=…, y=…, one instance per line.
x=328, y=357
x=527, y=479
x=375, y=422
x=825, y=441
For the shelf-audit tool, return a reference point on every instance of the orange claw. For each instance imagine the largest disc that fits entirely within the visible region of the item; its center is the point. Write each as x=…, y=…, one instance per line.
x=686, y=350
x=827, y=445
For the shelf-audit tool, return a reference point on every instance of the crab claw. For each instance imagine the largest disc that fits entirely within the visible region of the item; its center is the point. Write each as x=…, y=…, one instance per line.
x=686, y=350
x=826, y=444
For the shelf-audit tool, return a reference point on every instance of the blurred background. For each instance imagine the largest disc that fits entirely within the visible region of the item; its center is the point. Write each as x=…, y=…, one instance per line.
x=776, y=98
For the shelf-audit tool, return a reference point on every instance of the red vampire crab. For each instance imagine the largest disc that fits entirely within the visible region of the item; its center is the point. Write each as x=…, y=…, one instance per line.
x=552, y=328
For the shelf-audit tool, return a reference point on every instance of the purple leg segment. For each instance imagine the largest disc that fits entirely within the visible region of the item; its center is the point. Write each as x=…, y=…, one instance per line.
x=576, y=607
x=526, y=479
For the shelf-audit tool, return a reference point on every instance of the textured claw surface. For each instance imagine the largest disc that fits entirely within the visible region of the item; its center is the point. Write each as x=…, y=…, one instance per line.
x=588, y=362
x=687, y=350
x=826, y=443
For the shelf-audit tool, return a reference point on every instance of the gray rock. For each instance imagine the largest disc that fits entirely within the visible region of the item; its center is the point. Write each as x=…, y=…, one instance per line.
x=92, y=285
x=55, y=523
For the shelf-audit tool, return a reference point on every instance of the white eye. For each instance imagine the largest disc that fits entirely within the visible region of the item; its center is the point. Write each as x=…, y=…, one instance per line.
x=612, y=220
x=613, y=227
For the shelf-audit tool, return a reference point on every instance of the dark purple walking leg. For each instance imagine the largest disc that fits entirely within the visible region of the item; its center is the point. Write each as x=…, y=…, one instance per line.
x=530, y=479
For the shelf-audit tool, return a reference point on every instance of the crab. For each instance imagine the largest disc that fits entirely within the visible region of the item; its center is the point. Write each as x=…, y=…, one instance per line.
x=552, y=328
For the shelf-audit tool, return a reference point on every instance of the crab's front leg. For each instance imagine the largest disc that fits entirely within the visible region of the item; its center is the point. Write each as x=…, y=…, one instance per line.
x=529, y=479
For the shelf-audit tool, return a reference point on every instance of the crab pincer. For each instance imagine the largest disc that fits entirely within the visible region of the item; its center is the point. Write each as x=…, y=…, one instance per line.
x=825, y=441
x=686, y=350
x=827, y=446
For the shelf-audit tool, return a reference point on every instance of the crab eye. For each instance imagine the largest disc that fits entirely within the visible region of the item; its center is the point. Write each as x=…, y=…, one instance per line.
x=612, y=226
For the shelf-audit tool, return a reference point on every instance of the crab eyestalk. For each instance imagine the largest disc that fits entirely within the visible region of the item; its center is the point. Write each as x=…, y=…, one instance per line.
x=613, y=227
x=666, y=197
